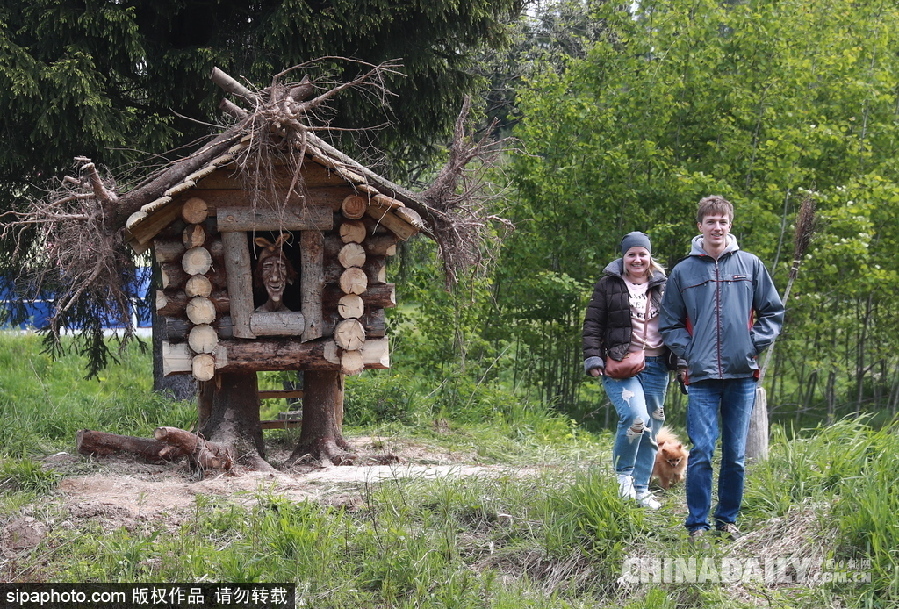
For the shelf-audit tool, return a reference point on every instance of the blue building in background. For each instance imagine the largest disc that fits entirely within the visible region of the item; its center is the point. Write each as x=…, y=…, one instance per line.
x=38, y=311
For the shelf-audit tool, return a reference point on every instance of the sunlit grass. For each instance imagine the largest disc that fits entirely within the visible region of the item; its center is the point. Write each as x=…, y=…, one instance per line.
x=546, y=529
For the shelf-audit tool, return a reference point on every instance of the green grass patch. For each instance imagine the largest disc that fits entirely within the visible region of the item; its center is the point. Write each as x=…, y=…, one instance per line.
x=545, y=529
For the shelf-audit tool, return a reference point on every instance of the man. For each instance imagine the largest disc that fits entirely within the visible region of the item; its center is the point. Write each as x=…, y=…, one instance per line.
x=719, y=312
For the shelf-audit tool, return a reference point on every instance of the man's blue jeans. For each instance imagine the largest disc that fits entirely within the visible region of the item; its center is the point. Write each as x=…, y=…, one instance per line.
x=640, y=404
x=734, y=398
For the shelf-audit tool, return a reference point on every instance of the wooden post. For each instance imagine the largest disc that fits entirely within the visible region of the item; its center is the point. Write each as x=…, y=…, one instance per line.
x=240, y=282
x=312, y=282
x=757, y=438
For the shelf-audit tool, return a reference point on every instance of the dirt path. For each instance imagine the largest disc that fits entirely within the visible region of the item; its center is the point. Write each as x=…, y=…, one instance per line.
x=123, y=491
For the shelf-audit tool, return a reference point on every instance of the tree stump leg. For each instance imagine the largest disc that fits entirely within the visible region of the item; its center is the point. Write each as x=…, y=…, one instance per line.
x=320, y=436
x=234, y=417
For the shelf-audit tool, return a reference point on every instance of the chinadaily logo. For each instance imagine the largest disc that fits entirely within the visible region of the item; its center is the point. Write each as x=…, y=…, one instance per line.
x=772, y=571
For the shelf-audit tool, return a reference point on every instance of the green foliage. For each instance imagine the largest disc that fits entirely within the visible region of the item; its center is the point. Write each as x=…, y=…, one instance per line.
x=25, y=475
x=759, y=102
x=45, y=402
x=118, y=80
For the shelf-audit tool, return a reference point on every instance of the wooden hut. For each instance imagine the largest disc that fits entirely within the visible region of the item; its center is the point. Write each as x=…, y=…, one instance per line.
x=334, y=228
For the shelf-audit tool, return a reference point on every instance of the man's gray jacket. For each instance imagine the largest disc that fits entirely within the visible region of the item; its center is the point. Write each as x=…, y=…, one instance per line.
x=719, y=315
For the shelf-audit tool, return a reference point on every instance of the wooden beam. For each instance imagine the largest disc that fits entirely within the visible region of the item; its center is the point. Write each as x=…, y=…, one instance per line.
x=290, y=394
x=312, y=281
x=291, y=217
x=240, y=282
x=392, y=222
x=291, y=354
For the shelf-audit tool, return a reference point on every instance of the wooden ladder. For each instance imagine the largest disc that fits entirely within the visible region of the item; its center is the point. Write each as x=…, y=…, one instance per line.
x=285, y=420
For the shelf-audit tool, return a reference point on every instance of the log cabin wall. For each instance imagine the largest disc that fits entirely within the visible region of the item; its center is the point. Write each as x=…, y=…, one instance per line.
x=341, y=240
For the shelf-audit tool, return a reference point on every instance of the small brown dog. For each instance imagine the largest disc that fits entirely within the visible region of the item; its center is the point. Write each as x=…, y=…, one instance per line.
x=671, y=460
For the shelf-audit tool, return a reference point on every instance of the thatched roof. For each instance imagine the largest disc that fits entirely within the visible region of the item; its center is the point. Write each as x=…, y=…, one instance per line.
x=144, y=223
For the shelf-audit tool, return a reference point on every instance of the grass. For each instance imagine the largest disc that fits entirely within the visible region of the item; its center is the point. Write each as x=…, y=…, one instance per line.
x=548, y=531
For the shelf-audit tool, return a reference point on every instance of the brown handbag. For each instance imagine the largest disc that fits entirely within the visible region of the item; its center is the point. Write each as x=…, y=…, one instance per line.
x=633, y=363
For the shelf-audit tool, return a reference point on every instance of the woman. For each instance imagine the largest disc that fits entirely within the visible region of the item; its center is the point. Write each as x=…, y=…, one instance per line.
x=620, y=321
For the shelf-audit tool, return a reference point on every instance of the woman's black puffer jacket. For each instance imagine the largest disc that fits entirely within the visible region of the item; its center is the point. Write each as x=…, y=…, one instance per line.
x=607, y=324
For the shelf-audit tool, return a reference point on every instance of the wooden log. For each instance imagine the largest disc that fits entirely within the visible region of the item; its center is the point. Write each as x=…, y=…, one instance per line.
x=376, y=354
x=165, y=306
x=401, y=228
x=303, y=91
x=177, y=358
x=288, y=218
x=349, y=335
x=278, y=353
x=353, y=281
x=174, y=303
x=353, y=207
x=287, y=394
x=352, y=231
x=196, y=261
x=102, y=444
x=385, y=202
x=290, y=354
x=240, y=282
x=350, y=306
x=167, y=250
x=172, y=275
x=217, y=249
x=194, y=210
x=410, y=216
x=333, y=267
x=373, y=320
x=194, y=235
x=146, y=230
x=203, y=367
x=312, y=282
x=200, y=310
x=178, y=330
x=315, y=177
x=383, y=244
x=277, y=324
x=198, y=285
x=208, y=455
x=203, y=339
x=378, y=295
x=352, y=254
x=351, y=363
x=229, y=85
x=376, y=269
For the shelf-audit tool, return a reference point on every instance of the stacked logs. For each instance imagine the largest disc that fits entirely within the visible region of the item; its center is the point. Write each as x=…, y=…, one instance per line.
x=349, y=334
x=189, y=287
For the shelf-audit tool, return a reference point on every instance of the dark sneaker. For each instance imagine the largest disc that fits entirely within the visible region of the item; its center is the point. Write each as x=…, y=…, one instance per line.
x=696, y=538
x=728, y=530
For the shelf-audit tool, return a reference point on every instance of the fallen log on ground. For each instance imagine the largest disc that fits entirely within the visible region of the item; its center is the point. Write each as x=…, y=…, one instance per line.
x=169, y=444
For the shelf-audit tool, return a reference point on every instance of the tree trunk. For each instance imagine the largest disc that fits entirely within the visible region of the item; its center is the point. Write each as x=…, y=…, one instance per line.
x=320, y=437
x=229, y=409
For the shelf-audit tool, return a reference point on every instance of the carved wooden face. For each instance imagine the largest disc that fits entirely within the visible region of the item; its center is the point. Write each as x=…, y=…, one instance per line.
x=273, y=272
x=274, y=277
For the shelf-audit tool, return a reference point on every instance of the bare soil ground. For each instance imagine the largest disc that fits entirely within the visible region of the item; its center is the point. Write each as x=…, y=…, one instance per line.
x=120, y=491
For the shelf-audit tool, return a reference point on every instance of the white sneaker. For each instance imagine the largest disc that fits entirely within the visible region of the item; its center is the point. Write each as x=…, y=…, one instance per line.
x=647, y=500
x=626, y=487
